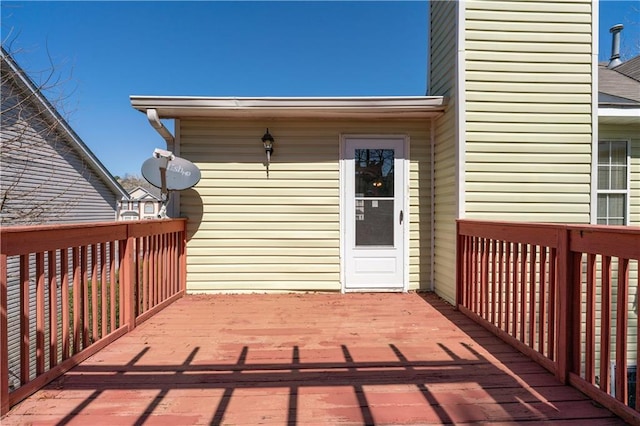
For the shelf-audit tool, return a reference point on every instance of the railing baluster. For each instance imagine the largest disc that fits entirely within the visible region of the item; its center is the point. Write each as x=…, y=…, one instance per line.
x=605, y=325
x=113, y=284
x=24, y=319
x=483, y=291
x=145, y=274
x=4, y=336
x=508, y=285
x=523, y=291
x=533, y=289
x=590, y=326
x=543, y=303
x=53, y=310
x=40, y=313
x=103, y=290
x=516, y=285
x=501, y=289
x=84, y=284
x=622, y=389
x=94, y=292
x=77, y=300
x=64, y=299
x=553, y=305
x=153, y=282
x=165, y=263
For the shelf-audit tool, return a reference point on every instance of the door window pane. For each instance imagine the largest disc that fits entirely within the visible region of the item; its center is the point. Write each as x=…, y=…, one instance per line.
x=374, y=172
x=374, y=222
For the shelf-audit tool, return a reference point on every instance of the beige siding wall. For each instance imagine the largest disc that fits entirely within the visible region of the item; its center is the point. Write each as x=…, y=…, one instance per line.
x=631, y=133
x=442, y=82
x=528, y=110
x=249, y=233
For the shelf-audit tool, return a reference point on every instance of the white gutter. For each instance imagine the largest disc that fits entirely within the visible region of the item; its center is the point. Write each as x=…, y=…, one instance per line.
x=154, y=120
x=317, y=107
x=619, y=112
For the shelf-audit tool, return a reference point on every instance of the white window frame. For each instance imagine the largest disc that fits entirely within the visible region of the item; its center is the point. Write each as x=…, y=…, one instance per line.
x=149, y=204
x=626, y=192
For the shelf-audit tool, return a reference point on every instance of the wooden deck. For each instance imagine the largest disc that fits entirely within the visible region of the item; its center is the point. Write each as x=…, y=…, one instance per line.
x=308, y=359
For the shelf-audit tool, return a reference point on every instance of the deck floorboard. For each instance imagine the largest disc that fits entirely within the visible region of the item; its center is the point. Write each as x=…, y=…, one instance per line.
x=308, y=359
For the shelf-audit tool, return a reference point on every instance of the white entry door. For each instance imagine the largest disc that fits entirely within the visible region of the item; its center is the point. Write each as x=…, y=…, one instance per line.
x=374, y=213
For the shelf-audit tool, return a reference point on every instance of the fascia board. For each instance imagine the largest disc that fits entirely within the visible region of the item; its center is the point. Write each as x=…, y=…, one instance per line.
x=391, y=107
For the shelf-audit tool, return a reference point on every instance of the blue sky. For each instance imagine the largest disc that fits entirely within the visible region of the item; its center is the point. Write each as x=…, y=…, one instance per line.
x=104, y=52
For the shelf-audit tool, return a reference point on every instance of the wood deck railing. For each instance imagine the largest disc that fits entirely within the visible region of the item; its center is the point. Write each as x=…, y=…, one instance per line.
x=560, y=294
x=67, y=291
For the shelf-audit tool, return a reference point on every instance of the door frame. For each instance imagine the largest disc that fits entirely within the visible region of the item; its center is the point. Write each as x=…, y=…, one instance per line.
x=405, y=207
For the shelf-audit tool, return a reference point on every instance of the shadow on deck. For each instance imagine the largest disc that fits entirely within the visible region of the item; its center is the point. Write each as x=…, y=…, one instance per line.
x=308, y=359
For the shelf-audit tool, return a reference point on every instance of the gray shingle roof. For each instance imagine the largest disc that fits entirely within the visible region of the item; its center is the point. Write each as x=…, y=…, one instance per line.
x=630, y=68
x=620, y=85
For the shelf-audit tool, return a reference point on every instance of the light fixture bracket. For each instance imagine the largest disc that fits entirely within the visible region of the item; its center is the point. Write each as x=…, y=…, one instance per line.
x=267, y=142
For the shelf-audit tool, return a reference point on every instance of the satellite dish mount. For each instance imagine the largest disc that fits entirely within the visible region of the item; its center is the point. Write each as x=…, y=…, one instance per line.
x=164, y=156
x=169, y=173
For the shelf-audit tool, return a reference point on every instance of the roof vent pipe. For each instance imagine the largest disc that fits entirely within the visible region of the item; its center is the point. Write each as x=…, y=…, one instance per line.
x=614, y=61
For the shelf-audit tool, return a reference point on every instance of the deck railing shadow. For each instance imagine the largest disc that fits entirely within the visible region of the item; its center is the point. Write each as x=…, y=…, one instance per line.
x=561, y=295
x=296, y=375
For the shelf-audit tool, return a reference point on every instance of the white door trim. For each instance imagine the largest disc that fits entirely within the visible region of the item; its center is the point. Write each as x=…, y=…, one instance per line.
x=405, y=206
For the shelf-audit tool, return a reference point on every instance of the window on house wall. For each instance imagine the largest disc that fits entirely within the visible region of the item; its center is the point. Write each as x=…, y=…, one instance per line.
x=613, y=182
x=148, y=208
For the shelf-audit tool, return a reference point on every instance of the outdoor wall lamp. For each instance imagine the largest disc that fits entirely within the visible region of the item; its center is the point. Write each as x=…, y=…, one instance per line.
x=267, y=142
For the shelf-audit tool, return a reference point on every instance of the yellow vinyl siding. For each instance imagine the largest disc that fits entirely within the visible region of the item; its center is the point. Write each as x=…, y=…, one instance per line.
x=528, y=112
x=442, y=82
x=628, y=132
x=250, y=233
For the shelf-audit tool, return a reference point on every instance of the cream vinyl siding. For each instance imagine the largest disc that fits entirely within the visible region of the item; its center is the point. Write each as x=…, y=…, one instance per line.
x=528, y=110
x=442, y=82
x=251, y=233
x=627, y=133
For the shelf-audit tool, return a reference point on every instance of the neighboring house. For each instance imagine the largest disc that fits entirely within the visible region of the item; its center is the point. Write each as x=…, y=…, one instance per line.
x=47, y=176
x=362, y=194
x=141, y=203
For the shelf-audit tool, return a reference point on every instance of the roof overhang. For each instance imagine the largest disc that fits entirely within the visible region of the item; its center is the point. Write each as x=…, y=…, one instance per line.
x=310, y=107
x=619, y=116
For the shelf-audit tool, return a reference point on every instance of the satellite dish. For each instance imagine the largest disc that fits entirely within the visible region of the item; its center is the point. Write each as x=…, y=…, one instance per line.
x=181, y=174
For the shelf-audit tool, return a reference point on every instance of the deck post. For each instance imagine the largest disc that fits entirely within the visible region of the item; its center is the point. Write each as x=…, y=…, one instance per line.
x=459, y=262
x=566, y=304
x=128, y=280
x=4, y=338
x=182, y=253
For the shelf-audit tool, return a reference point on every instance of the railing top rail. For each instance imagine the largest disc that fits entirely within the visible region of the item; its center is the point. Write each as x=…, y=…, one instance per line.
x=535, y=233
x=619, y=241
x=616, y=242
x=17, y=240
